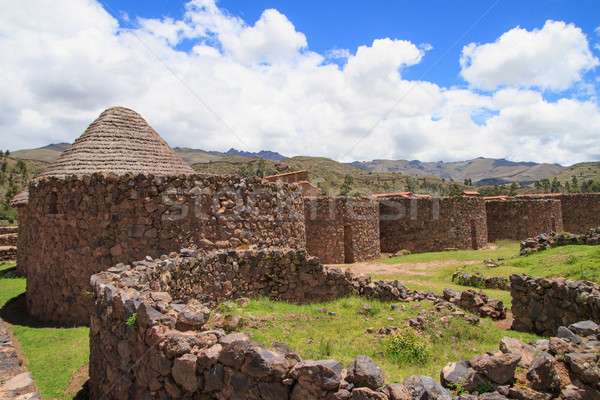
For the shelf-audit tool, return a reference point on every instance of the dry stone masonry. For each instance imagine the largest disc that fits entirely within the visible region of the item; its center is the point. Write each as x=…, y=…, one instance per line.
x=148, y=339
x=83, y=225
x=342, y=229
x=580, y=212
x=551, y=240
x=15, y=381
x=517, y=219
x=542, y=305
x=422, y=224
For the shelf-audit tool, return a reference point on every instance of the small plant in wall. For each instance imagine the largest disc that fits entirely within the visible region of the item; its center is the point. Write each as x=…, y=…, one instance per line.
x=132, y=321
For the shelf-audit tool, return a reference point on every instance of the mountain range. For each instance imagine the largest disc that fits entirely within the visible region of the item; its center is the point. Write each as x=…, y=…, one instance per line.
x=481, y=171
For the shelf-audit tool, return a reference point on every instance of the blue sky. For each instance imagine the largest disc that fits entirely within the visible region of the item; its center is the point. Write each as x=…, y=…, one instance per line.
x=347, y=80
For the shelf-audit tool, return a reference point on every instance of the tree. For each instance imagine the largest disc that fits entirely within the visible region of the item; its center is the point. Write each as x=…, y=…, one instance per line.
x=245, y=170
x=261, y=169
x=546, y=185
x=346, y=186
x=538, y=186
x=7, y=153
x=468, y=182
x=513, y=189
x=556, y=186
x=455, y=190
x=412, y=184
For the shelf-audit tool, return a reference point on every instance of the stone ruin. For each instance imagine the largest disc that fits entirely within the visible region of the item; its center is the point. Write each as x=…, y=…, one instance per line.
x=149, y=338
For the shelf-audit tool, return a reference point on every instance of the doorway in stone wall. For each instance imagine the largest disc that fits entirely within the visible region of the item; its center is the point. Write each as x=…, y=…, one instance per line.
x=474, y=245
x=348, y=245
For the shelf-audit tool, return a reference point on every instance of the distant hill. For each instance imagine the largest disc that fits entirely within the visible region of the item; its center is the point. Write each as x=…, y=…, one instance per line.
x=332, y=177
x=481, y=171
x=264, y=154
x=583, y=172
x=51, y=152
x=47, y=153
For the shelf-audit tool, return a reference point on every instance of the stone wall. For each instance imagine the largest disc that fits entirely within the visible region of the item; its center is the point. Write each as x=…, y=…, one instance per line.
x=9, y=253
x=580, y=212
x=551, y=240
x=541, y=305
x=8, y=229
x=149, y=339
x=342, y=229
x=8, y=239
x=77, y=226
x=432, y=224
x=519, y=219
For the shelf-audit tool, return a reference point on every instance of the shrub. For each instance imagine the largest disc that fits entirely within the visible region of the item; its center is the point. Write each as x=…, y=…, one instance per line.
x=408, y=347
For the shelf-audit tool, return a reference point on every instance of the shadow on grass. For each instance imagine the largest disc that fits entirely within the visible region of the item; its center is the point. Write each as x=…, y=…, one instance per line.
x=15, y=313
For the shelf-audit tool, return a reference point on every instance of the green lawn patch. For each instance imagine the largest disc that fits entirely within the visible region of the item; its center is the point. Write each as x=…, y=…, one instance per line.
x=337, y=330
x=53, y=354
x=502, y=249
x=571, y=262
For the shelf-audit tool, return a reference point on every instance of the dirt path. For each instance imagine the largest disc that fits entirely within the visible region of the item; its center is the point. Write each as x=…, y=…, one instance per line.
x=419, y=269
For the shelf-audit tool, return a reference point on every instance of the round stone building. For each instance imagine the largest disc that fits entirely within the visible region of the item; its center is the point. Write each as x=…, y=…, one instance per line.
x=119, y=194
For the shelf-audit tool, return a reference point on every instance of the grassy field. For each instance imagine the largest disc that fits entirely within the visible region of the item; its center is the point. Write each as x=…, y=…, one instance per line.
x=337, y=330
x=54, y=355
x=57, y=357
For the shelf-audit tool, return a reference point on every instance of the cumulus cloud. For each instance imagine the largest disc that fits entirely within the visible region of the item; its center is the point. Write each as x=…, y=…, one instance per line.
x=257, y=85
x=552, y=58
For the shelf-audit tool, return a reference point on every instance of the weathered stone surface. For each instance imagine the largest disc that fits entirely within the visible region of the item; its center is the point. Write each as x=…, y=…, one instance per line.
x=364, y=393
x=499, y=369
x=324, y=374
x=192, y=317
x=525, y=393
x=184, y=372
x=511, y=345
x=559, y=346
x=426, y=388
x=397, y=391
x=543, y=374
x=266, y=365
x=580, y=392
x=18, y=385
x=565, y=333
x=455, y=374
x=585, y=366
x=584, y=328
x=364, y=372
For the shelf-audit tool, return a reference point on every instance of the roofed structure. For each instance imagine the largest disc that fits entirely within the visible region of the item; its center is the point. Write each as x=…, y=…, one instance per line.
x=118, y=141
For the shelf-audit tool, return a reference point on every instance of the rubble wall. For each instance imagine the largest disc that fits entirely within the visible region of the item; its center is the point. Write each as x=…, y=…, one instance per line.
x=519, y=219
x=432, y=224
x=77, y=226
x=342, y=229
x=580, y=212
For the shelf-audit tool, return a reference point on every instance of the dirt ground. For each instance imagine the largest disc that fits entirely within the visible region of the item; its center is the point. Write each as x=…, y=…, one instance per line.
x=403, y=268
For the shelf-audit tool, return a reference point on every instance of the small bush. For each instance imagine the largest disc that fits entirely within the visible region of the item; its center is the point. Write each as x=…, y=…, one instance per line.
x=131, y=321
x=408, y=347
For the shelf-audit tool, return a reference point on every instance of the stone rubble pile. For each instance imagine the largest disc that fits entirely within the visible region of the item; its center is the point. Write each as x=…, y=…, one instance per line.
x=9, y=253
x=15, y=381
x=551, y=240
x=541, y=305
x=478, y=280
x=563, y=367
x=8, y=229
x=148, y=343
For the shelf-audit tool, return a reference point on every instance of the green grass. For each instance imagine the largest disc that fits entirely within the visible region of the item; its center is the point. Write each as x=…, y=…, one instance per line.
x=571, y=262
x=315, y=334
x=502, y=249
x=53, y=354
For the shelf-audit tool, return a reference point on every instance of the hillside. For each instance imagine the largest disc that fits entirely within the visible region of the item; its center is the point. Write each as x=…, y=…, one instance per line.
x=14, y=175
x=47, y=153
x=583, y=172
x=481, y=171
x=193, y=156
x=331, y=176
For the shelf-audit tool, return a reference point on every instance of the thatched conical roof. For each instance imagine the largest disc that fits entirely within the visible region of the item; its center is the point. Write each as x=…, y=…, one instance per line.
x=118, y=141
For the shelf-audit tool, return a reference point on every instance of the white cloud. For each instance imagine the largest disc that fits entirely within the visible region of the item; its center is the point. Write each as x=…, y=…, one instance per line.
x=63, y=64
x=552, y=58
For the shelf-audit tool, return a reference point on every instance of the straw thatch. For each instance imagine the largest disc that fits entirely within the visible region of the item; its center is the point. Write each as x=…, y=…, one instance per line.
x=118, y=141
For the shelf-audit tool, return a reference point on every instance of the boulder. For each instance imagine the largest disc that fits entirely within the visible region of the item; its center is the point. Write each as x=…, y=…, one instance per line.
x=192, y=317
x=511, y=345
x=364, y=393
x=585, y=366
x=184, y=372
x=266, y=365
x=559, y=346
x=426, y=388
x=324, y=374
x=567, y=334
x=397, y=391
x=364, y=372
x=543, y=374
x=499, y=369
x=584, y=328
